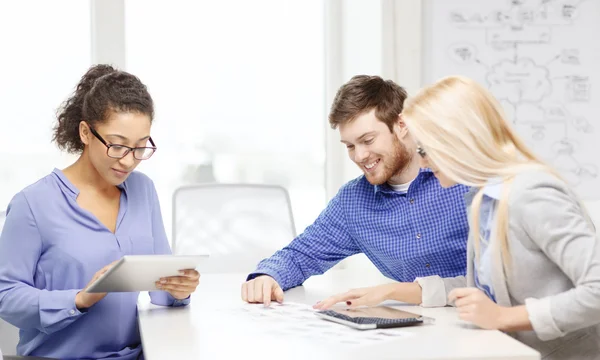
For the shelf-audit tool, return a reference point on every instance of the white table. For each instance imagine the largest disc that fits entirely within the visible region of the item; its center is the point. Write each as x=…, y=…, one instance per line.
x=210, y=329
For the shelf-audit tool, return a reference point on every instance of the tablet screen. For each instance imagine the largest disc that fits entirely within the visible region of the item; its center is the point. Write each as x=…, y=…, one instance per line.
x=372, y=317
x=382, y=312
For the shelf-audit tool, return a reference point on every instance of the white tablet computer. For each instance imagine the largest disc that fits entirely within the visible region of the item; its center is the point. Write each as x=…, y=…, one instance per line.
x=140, y=272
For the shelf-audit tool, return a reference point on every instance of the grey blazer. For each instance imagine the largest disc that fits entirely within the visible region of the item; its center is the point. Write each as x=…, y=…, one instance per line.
x=555, y=268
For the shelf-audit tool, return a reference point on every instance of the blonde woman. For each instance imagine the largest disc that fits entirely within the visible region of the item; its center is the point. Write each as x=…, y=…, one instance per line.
x=533, y=261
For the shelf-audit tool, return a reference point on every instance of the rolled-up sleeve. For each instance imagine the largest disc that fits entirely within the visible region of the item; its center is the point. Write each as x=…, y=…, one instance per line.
x=435, y=289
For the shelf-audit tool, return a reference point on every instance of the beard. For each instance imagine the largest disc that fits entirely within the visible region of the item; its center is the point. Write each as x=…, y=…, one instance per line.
x=393, y=163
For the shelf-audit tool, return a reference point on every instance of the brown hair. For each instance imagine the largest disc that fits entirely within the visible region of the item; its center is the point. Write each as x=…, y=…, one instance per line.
x=363, y=93
x=101, y=89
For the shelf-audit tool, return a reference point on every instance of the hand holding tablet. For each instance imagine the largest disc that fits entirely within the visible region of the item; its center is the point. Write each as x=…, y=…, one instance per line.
x=144, y=272
x=83, y=299
x=181, y=286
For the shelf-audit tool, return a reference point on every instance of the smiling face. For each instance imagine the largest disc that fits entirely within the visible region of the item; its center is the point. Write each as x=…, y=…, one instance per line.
x=376, y=150
x=121, y=128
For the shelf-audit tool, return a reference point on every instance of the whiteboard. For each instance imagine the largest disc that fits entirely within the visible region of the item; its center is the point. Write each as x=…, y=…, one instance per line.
x=541, y=59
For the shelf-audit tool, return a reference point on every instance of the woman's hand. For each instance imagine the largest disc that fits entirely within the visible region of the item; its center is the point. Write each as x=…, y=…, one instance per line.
x=359, y=297
x=476, y=307
x=84, y=299
x=180, y=287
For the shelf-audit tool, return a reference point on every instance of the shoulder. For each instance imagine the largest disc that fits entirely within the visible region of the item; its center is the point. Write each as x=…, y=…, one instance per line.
x=41, y=187
x=427, y=180
x=537, y=183
x=357, y=190
x=433, y=190
x=357, y=185
x=544, y=196
x=40, y=192
x=352, y=193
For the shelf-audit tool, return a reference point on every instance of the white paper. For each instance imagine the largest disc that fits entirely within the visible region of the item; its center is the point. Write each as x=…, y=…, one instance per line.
x=298, y=321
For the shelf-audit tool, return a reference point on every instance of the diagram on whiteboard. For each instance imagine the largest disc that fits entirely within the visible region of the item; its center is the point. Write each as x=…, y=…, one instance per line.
x=540, y=58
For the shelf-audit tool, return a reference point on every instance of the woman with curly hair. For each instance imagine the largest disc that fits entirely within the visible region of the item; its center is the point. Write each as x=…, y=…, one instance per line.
x=63, y=232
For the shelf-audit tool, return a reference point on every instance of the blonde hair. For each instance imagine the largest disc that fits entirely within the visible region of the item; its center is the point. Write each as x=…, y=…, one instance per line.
x=465, y=134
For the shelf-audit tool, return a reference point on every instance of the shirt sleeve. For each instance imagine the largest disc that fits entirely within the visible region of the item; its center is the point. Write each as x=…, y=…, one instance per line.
x=435, y=289
x=322, y=245
x=560, y=227
x=21, y=303
x=161, y=247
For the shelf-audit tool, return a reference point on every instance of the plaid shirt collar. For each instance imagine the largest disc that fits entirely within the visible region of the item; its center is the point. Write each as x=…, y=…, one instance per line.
x=385, y=188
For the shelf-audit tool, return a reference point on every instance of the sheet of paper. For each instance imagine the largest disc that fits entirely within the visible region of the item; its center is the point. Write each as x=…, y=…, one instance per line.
x=298, y=321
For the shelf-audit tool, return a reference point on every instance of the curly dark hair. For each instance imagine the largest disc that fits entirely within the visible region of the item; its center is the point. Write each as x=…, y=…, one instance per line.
x=102, y=90
x=363, y=93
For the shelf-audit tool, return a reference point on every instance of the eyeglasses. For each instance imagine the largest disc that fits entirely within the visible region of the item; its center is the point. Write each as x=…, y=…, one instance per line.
x=116, y=151
x=421, y=151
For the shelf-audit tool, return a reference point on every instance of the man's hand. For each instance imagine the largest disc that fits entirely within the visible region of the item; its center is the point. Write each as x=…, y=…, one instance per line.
x=262, y=289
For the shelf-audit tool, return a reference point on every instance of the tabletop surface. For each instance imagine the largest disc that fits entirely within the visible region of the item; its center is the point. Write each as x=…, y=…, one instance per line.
x=217, y=324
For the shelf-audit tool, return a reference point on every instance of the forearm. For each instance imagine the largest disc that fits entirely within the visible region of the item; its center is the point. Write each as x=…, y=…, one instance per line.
x=286, y=270
x=47, y=311
x=514, y=318
x=322, y=245
x=295, y=263
x=406, y=292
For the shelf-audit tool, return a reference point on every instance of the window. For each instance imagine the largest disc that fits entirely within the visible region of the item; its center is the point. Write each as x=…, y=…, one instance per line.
x=239, y=94
x=44, y=54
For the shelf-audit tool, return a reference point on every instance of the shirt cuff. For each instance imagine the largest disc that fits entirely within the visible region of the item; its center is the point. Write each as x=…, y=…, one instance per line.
x=57, y=309
x=273, y=274
x=541, y=319
x=433, y=291
x=182, y=302
x=163, y=298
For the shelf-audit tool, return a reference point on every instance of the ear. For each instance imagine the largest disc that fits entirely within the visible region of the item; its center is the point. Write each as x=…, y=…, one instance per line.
x=400, y=128
x=84, y=133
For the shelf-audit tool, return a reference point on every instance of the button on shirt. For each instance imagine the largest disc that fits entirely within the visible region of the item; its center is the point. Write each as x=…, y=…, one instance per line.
x=404, y=239
x=50, y=248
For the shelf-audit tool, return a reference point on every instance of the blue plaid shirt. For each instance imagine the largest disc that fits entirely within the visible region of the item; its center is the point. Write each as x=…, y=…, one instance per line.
x=420, y=233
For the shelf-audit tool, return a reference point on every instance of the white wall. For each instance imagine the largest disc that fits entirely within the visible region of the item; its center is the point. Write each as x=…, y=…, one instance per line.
x=355, y=47
x=371, y=44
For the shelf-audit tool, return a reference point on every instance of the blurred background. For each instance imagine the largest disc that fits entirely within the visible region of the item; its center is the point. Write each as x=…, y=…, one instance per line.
x=242, y=88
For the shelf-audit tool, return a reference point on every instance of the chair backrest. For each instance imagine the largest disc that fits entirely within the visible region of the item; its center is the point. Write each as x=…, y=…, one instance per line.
x=9, y=335
x=236, y=224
